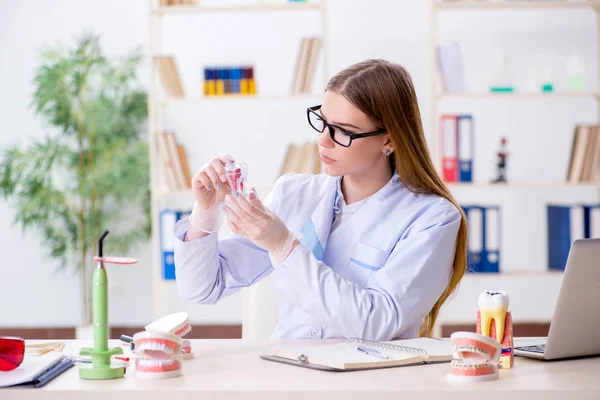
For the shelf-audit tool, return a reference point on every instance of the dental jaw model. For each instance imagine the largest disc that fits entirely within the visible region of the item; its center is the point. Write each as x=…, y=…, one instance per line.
x=177, y=324
x=236, y=174
x=211, y=219
x=475, y=358
x=158, y=355
x=495, y=321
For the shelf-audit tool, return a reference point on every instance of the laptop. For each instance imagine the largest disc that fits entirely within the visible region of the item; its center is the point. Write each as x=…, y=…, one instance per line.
x=575, y=326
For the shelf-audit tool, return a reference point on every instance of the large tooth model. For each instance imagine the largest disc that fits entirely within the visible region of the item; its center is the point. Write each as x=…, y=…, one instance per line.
x=495, y=320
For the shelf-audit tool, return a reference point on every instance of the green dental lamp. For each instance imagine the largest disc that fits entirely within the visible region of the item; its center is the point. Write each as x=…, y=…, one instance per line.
x=100, y=368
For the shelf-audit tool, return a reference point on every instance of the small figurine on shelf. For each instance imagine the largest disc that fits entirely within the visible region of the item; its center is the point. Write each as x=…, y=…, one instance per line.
x=501, y=162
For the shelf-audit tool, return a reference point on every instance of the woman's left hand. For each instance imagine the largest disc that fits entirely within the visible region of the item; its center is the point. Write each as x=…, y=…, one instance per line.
x=250, y=218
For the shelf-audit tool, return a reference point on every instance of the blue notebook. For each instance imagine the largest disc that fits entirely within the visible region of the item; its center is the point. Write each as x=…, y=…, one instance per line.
x=32, y=373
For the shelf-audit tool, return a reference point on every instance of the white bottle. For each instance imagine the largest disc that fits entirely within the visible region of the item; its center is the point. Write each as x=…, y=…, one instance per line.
x=575, y=74
x=503, y=80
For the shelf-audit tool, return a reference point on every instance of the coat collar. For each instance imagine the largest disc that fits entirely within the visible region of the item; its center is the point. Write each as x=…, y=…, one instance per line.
x=318, y=227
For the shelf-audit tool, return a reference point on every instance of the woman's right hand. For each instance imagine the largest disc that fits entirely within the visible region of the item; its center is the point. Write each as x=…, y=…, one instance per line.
x=210, y=183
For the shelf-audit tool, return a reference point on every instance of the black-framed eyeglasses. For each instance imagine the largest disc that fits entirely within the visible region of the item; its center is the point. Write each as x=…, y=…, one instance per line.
x=337, y=133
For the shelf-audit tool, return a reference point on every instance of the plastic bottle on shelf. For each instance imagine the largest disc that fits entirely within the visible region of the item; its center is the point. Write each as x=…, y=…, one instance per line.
x=503, y=80
x=547, y=85
x=532, y=81
x=575, y=74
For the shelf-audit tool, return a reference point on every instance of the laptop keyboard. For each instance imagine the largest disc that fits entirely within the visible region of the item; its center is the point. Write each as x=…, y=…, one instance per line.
x=533, y=349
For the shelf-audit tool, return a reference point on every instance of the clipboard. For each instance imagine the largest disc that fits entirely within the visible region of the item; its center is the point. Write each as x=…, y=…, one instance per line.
x=351, y=355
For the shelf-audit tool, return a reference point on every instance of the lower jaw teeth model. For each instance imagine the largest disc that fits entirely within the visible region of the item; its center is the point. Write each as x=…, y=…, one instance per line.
x=158, y=355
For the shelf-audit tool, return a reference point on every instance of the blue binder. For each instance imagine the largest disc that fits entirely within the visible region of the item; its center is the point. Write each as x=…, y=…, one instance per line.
x=566, y=223
x=465, y=148
x=591, y=221
x=484, y=228
x=475, y=238
x=491, y=239
x=168, y=219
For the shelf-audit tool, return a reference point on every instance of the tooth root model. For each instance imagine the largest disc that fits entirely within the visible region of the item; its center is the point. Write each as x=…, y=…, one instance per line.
x=494, y=320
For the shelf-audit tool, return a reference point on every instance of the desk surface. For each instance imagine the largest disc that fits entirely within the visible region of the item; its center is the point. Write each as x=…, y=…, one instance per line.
x=232, y=369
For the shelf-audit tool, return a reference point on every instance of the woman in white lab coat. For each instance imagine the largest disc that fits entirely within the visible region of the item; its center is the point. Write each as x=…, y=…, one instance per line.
x=370, y=249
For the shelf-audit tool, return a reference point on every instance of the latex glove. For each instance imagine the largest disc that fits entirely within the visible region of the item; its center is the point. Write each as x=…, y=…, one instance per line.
x=250, y=218
x=210, y=187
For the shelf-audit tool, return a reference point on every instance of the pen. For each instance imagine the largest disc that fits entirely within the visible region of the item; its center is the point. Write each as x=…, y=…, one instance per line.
x=372, y=352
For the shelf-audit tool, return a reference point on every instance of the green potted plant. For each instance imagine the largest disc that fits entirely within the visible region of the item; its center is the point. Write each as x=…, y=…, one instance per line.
x=91, y=171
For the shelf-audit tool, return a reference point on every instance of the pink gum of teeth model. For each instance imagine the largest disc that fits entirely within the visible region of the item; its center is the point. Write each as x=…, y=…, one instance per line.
x=158, y=355
x=475, y=358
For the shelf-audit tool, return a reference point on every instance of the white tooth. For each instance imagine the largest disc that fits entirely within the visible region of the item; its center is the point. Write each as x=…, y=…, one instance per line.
x=491, y=299
x=493, y=305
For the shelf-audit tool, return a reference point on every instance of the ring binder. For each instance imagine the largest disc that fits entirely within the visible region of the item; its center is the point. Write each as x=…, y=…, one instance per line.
x=302, y=358
x=57, y=368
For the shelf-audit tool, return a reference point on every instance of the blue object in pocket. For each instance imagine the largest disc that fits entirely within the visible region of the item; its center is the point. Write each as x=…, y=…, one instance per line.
x=369, y=257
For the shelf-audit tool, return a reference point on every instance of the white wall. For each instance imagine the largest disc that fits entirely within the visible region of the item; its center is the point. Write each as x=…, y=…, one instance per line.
x=257, y=132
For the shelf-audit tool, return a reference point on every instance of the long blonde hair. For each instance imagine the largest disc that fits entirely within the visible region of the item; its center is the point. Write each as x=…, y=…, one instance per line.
x=385, y=93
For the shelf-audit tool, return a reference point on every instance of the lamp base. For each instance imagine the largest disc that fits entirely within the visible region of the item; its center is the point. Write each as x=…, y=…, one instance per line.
x=100, y=368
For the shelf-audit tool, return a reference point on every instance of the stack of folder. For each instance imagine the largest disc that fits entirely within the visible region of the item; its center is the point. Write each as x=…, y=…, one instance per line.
x=567, y=223
x=456, y=132
x=483, y=243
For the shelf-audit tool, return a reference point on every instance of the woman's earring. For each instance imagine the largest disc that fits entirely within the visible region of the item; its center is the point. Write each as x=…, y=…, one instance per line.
x=387, y=152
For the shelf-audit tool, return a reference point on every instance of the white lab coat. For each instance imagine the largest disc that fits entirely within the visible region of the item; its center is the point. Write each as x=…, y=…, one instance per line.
x=375, y=277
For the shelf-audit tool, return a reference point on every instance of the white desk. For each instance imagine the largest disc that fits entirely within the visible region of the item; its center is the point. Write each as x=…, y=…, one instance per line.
x=231, y=369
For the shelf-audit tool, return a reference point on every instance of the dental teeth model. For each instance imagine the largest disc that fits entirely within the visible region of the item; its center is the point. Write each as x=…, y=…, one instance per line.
x=177, y=324
x=158, y=355
x=236, y=176
x=494, y=320
x=475, y=358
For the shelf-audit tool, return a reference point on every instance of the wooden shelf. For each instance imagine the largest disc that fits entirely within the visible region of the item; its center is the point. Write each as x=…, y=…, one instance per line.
x=511, y=4
x=263, y=190
x=237, y=97
x=462, y=307
x=261, y=7
x=517, y=95
x=522, y=185
x=524, y=274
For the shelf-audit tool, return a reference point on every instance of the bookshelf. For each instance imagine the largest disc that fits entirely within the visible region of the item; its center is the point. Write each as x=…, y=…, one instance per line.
x=236, y=97
x=158, y=103
x=259, y=7
x=438, y=6
x=461, y=308
x=533, y=292
x=516, y=95
x=521, y=185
